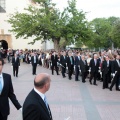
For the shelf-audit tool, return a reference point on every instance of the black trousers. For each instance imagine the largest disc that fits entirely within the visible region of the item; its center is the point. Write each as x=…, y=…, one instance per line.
x=93, y=75
x=70, y=71
x=115, y=81
x=3, y=117
x=34, y=66
x=76, y=72
x=84, y=75
x=63, y=70
x=106, y=79
x=15, y=70
x=56, y=68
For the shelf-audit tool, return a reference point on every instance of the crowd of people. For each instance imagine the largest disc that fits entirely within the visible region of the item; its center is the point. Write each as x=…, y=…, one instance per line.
x=101, y=66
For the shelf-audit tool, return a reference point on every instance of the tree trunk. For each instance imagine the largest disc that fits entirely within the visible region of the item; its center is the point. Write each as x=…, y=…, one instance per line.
x=56, y=43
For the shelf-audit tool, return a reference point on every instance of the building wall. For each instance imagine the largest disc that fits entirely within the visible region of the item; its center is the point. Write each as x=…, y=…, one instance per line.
x=11, y=7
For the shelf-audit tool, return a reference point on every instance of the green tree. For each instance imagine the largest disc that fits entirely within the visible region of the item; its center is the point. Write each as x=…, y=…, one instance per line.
x=115, y=33
x=76, y=30
x=46, y=22
x=102, y=28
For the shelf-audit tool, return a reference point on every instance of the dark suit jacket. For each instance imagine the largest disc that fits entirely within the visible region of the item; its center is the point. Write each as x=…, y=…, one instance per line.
x=15, y=63
x=54, y=59
x=106, y=69
x=77, y=61
x=32, y=60
x=7, y=92
x=63, y=60
x=69, y=62
x=83, y=67
x=93, y=67
x=34, y=108
x=115, y=66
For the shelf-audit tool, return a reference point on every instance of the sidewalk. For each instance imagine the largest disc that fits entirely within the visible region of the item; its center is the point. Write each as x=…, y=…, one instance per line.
x=67, y=98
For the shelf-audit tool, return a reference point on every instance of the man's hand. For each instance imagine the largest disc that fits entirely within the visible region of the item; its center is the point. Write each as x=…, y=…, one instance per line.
x=20, y=109
x=89, y=70
x=113, y=75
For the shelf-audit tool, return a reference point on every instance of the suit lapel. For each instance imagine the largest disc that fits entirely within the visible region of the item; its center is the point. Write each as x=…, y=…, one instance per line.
x=41, y=102
x=4, y=81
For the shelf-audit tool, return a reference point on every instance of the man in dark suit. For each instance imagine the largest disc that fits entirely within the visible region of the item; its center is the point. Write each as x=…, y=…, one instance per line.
x=106, y=70
x=34, y=62
x=6, y=93
x=36, y=106
x=15, y=64
x=54, y=60
x=77, y=65
x=70, y=64
x=83, y=68
x=116, y=73
x=63, y=60
x=94, y=67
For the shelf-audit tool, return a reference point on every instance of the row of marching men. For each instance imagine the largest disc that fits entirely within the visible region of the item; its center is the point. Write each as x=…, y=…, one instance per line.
x=98, y=67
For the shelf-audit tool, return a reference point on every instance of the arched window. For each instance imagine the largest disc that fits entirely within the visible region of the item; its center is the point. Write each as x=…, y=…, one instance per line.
x=2, y=6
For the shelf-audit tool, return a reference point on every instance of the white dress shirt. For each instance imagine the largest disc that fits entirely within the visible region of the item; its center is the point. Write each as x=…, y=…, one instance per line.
x=1, y=80
x=118, y=63
x=34, y=59
x=41, y=94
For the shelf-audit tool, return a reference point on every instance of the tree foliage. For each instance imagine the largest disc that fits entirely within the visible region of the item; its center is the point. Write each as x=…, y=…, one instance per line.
x=45, y=22
x=102, y=29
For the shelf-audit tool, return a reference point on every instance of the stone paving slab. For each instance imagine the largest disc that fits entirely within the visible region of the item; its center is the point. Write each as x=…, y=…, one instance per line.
x=67, y=97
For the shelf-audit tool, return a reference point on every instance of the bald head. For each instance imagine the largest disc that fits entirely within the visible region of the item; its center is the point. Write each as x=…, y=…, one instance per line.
x=42, y=80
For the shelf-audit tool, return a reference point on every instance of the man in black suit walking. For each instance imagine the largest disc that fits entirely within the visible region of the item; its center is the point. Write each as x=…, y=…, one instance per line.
x=6, y=93
x=36, y=106
x=54, y=60
x=70, y=64
x=15, y=64
x=63, y=60
x=83, y=68
x=116, y=73
x=94, y=67
x=34, y=62
x=77, y=65
x=106, y=70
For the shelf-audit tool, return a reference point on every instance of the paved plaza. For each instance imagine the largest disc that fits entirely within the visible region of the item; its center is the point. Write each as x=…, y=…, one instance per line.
x=67, y=98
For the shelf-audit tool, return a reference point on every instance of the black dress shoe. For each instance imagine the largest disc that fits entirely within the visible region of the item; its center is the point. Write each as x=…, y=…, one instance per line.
x=58, y=74
x=110, y=89
x=117, y=89
x=95, y=84
x=64, y=76
x=16, y=75
x=83, y=81
x=90, y=82
x=69, y=78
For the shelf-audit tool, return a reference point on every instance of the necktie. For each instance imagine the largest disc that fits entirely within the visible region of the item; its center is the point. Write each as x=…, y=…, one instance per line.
x=84, y=62
x=71, y=60
x=107, y=63
x=46, y=103
x=95, y=62
x=34, y=59
x=0, y=85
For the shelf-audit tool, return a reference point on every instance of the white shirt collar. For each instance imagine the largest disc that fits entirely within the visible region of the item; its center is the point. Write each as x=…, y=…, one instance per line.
x=1, y=75
x=41, y=94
